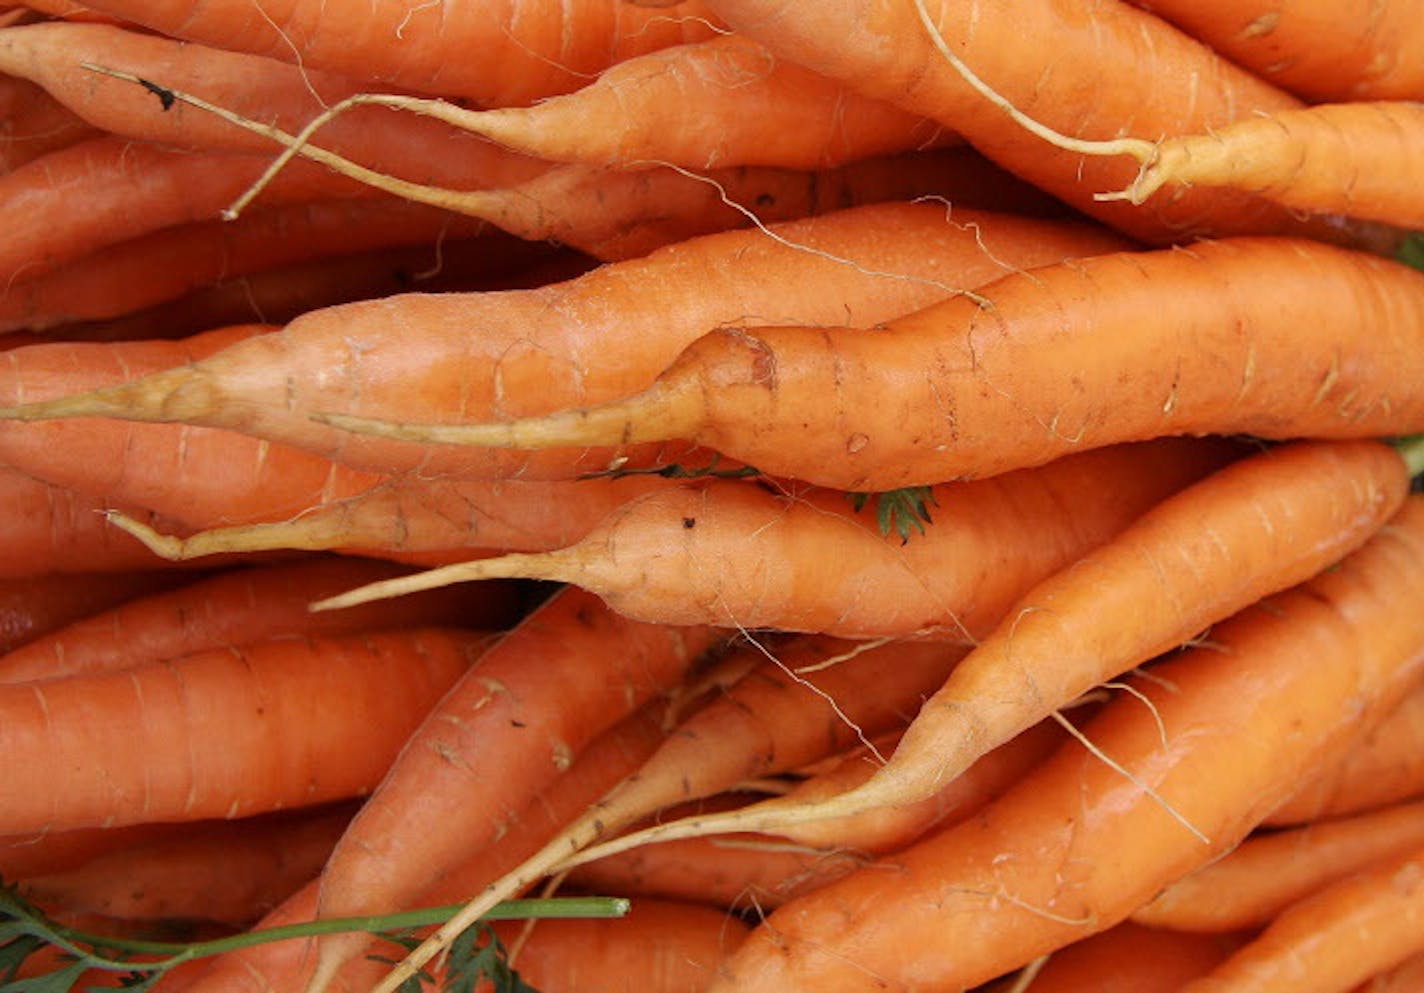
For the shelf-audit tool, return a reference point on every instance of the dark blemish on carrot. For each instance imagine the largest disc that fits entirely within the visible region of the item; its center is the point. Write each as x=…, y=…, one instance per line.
x=689, y=523
x=517, y=724
x=165, y=95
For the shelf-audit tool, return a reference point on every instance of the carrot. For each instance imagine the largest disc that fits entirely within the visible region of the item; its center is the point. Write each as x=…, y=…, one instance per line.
x=55, y=56
x=752, y=109
x=1355, y=159
x=525, y=53
x=884, y=51
x=1267, y=873
x=165, y=264
x=232, y=608
x=35, y=124
x=735, y=554
x=536, y=350
x=829, y=406
x=231, y=872
x=1129, y=959
x=1401, y=979
x=510, y=729
x=1076, y=846
x=1190, y=561
x=1320, y=51
x=25, y=855
x=1375, y=917
x=1385, y=767
x=222, y=733
x=32, y=607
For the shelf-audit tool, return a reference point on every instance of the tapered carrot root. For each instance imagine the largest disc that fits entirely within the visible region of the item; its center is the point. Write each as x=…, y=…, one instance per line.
x=233, y=608
x=569, y=670
x=1131, y=958
x=1075, y=847
x=253, y=739
x=1384, y=768
x=561, y=346
x=1356, y=159
x=1378, y=914
x=1324, y=50
x=523, y=55
x=829, y=406
x=753, y=109
x=33, y=606
x=1257, y=881
x=725, y=553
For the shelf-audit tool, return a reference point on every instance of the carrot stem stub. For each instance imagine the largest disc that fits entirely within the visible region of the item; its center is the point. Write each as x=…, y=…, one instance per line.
x=1275, y=337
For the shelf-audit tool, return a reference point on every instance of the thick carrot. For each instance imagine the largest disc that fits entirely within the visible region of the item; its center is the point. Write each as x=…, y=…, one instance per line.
x=565, y=345
x=982, y=382
x=524, y=53
x=1076, y=846
x=1196, y=558
x=235, y=607
x=34, y=606
x=1356, y=159
x=1129, y=959
x=569, y=670
x=1384, y=768
x=752, y=109
x=232, y=872
x=56, y=56
x=734, y=554
x=1340, y=936
x=222, y=733
x=1072, y=84
x=1321, y=51
x=1267, y=873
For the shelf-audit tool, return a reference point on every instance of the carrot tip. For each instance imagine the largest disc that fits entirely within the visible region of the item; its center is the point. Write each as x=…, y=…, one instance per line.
x=165, y=546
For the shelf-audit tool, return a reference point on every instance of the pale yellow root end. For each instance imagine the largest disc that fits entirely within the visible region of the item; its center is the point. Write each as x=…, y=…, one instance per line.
x=546, y=565
x=295, y=535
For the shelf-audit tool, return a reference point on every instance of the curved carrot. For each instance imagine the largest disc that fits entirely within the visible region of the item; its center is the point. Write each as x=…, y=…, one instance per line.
x=1076, y=846
x=1385, y=767
x=1258, y=880
x=221, y=733
x=982, y=381
x=525, y=53
x=730, y=552
x=1322, y=50
x=235, y=607
x=564, y=345
x=1340, y=936
x=1356, y=159
x=563, y=675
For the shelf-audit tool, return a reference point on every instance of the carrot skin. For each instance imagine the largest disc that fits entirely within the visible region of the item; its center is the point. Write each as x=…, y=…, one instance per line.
x=221, y=733
x=32, y=607
x=1132, y=959
x=1075, y=847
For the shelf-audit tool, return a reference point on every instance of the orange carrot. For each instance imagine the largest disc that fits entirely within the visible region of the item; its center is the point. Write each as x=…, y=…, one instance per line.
x=1267, y=873
x=231, y=872
x=1129, y=959
x=1338, y=937
x=36, y=124
x=1356, y=159
x=222, y=733
x=564, y=345
x=1321, y=51
x=569, y=670
x=1385, y=767
x=524, y=54
x=830, y=406
x=23, y=855
x=34, y=606
x=1076, y=846
x=733, y=553
x=235, y=607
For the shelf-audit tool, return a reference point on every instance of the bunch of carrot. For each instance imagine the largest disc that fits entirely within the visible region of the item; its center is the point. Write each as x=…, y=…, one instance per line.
x=907, y=512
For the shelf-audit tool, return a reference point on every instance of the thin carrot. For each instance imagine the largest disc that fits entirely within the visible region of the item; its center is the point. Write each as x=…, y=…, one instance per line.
x=1129, y=959
x=525, y=53
x=982, y=382
x=36, y=124
x=1076, y=846
x=221, y=733
x=563, y=345
x=1320, y=51
x=231, y=871
x=1328, y=942
x=32, y=607
x=733, y=553
x=1194, y=559
x=23, y=855
x=569, y=670
x=235, y=607
x=1385, y=767
x=1258, y=880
